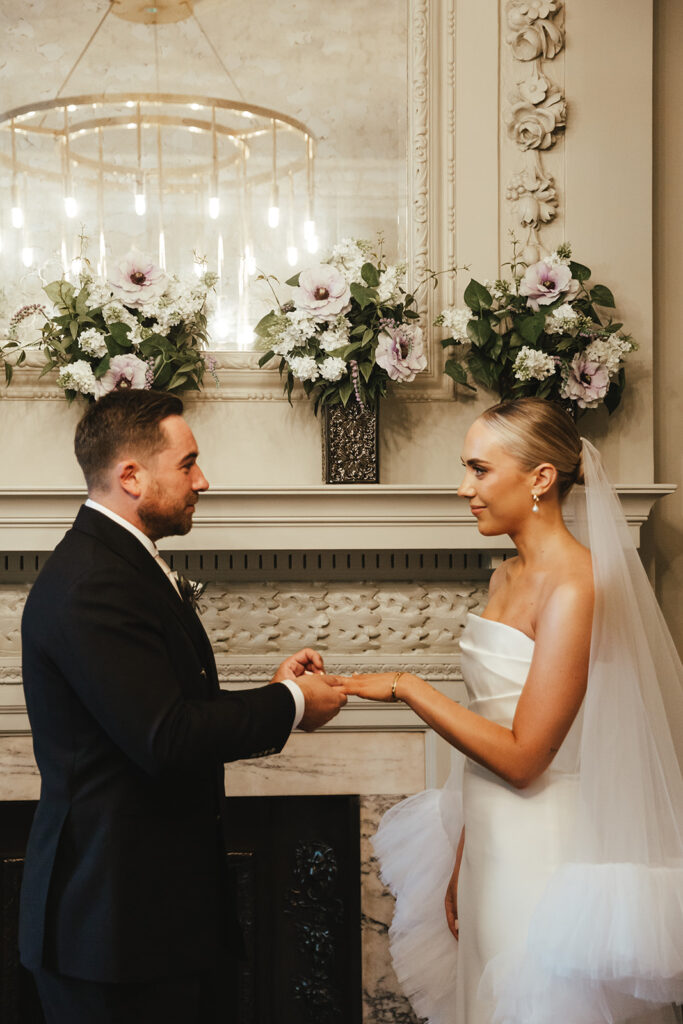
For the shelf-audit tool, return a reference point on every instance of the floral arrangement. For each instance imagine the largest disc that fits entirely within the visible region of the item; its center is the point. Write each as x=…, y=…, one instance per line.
x=540, y=334
x=349, y=329
x=142, y=328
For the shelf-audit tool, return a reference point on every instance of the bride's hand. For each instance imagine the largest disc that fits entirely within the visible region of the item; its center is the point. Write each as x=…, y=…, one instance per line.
x=451, y=903
x=374, y=685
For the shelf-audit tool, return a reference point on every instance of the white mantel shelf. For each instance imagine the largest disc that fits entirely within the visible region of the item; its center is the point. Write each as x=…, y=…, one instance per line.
x=333, y=517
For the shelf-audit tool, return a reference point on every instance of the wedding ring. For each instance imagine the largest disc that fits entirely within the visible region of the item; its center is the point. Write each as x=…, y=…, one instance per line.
x=393, y=685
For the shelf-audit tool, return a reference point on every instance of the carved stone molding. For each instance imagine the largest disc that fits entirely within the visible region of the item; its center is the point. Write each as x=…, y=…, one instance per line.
x=536, y=113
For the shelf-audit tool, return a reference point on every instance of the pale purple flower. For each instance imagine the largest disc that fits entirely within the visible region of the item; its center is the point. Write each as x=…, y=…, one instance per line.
x=400, y=351
x=138, y=282
x=323, y=292
x=125, y=371
x=544, y=283
x=587, y=382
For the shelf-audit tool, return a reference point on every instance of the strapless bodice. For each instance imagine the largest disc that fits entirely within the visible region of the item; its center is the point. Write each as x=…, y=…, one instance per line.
x=495, y=660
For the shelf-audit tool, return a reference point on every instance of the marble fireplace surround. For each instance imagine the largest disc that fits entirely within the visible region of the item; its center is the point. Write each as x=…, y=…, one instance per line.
x=375, y=576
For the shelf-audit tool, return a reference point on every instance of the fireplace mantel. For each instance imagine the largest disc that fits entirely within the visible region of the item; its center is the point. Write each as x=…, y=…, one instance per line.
x=342, y=517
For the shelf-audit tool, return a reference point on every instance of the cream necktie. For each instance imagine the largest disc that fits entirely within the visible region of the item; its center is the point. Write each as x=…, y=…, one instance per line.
x=169, y=572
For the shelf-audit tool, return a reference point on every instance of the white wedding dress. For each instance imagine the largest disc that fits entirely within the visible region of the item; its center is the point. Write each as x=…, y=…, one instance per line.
x=515, y=841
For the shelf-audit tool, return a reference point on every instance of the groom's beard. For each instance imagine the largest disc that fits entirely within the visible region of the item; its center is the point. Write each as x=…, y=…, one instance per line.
x=167, y=518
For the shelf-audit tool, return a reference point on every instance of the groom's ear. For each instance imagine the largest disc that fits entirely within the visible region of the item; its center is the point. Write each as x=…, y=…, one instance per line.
x=129, y=475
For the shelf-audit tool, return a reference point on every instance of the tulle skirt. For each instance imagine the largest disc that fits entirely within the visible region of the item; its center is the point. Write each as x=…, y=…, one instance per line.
x=542, y=940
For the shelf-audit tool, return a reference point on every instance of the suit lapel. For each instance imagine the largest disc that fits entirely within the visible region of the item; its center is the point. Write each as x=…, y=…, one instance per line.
x=121, y=541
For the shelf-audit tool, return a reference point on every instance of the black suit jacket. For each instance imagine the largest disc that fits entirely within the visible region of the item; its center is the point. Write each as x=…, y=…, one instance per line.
x=125, y=869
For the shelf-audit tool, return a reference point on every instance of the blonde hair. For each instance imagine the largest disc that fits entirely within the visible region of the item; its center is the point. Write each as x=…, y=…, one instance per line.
x=532, y=431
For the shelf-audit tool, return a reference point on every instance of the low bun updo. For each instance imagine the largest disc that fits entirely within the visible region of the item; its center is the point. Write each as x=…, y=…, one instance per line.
x=533, y=431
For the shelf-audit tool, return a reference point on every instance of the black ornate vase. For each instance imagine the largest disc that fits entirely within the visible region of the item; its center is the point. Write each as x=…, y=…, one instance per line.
x=350, y=444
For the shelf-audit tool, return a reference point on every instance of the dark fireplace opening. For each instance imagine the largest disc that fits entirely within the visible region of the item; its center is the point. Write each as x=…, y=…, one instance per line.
x=297, y=863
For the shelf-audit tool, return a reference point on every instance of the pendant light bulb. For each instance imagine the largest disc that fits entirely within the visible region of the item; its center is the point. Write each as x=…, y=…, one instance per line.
x=27, y=256
x=312, y=243
x=273, y=216
x=70, y=206
x=17, y=217
x=292, y=255
x=140, y=204
x=214, y=207
x=309, y=230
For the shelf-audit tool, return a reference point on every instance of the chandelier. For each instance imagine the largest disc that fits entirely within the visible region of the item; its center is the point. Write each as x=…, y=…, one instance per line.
x=96, y=162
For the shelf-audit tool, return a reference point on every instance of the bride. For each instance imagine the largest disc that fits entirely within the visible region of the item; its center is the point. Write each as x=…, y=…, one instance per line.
x=563, y=817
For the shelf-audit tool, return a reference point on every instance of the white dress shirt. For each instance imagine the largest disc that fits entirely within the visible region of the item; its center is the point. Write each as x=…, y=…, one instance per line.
x=149, y=545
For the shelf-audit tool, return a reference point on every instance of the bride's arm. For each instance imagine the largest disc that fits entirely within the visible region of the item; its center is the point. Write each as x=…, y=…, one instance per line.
x=547, y=705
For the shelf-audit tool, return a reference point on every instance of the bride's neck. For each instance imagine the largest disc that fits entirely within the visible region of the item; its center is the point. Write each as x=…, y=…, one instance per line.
x=541, y=537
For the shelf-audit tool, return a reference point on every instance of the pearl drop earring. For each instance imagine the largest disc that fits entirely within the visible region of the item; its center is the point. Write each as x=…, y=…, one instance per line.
x=535, y=502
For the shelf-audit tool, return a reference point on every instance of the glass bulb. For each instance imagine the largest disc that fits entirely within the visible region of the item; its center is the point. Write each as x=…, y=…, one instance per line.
x=309, y=229
x=70, y=206
x=76, y=266
x=292, y=255
x=214, y=207
x=273, y=216
x=140, y=204
x=27, y=256
x=312, y=244
x=17, y=217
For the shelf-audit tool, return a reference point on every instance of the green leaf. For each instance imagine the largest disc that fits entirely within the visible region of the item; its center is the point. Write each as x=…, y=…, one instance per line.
x=482, y=369
x=293, y=282
x=366, y=370
x=8, y=373
x=579, y=272
x=363, y=296
x=73, y=327
x=102, y=367
x=82, y=301
x=479, y=331
x=266, y=358
x=367, y=336
x=458, y=373
x=613, y=396
x=345, y=391
x=477, y=297
x=264, y=323
x=370, y=274
x=602, y=296
x=531, y=327
x=119, y=333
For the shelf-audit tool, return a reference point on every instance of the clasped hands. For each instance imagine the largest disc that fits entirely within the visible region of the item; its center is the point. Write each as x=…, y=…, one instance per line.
x=326, y=694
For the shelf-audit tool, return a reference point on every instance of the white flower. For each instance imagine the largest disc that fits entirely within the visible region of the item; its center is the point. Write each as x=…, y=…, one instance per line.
x=456, y=321
x=137, y=281
x=388, y=289
x=609, y=352
x=292, y=330
x=125, y=371
x=304, y=367
x=555, y=260
x=323, y=292
x=561, y=319
x=348, y=256
x=92, y=343
x=332, y=368
x=532, y=364
x=114, y=313
x=78, y=376
x=336, y=335
x=99, y=292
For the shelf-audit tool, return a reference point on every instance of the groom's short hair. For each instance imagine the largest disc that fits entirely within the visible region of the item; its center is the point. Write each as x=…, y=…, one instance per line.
x=119, y=423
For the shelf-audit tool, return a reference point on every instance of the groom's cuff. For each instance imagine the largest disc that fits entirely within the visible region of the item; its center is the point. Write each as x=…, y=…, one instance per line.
x=299, y=701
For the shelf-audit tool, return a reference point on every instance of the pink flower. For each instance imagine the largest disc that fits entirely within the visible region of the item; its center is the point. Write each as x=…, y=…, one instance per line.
x=137, y=281
x=544, y=283
x=587, y=382
x=323, y=292
x=125, y=371
x=400, y=351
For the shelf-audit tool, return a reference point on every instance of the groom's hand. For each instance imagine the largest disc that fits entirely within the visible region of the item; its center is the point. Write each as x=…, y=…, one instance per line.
x=324, y=697
x=306, y=660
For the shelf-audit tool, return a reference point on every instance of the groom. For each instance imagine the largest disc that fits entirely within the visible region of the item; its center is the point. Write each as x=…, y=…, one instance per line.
x=126, y=910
